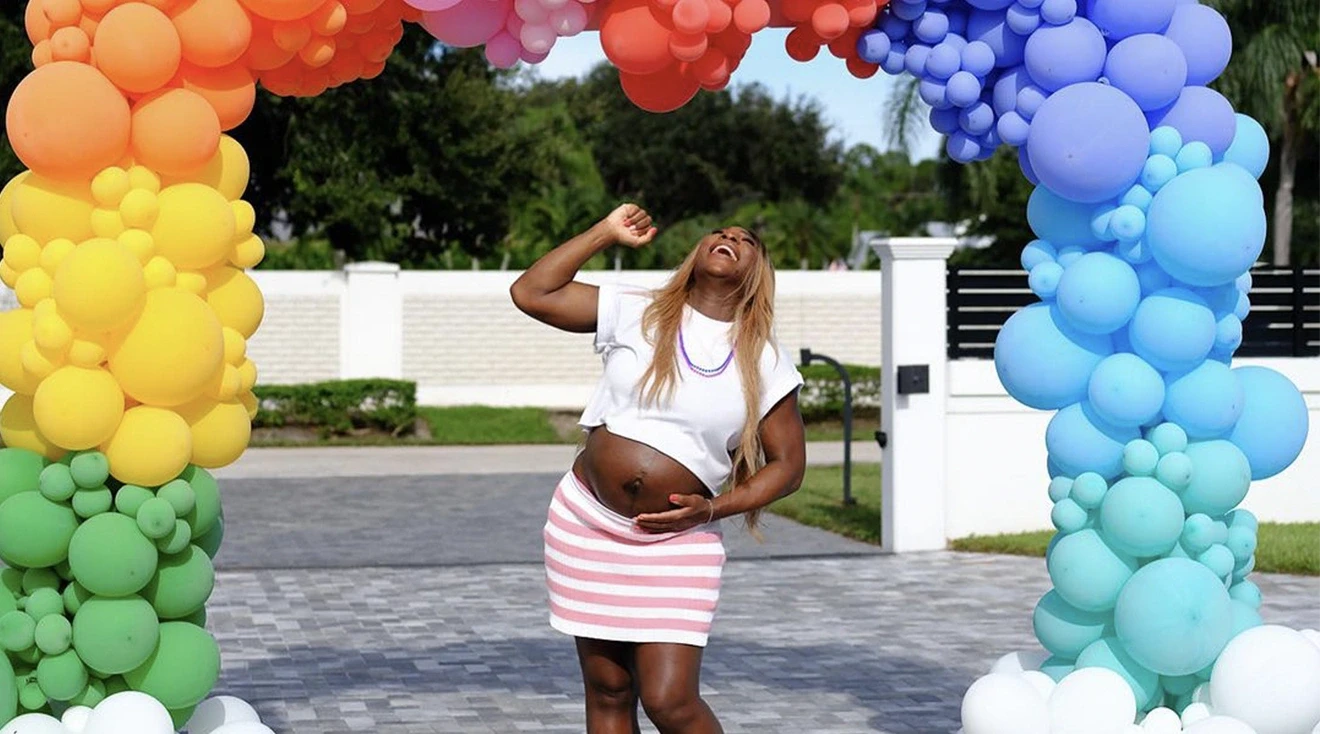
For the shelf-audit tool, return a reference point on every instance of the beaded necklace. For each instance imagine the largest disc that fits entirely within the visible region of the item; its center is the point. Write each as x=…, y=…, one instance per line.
x=704, y=371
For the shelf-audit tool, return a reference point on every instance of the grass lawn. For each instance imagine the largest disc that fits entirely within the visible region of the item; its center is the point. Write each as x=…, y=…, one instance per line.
x=1282, y=548
x=819, y=503
x=484, y=426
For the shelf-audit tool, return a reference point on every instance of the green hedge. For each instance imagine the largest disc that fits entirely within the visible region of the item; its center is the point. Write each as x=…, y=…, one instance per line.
x=822, y=395
x=340, y=406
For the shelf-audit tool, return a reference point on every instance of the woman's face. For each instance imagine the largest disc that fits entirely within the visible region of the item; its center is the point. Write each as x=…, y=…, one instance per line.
x=728, y=253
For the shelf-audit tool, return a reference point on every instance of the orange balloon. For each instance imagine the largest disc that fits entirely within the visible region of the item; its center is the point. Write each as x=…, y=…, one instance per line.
x=284, y=81
x=691, y=16
x=36, y=23
x=346, y=67
x=70, y=44
x=318, y=52
x=88, y=24
x=62, y=12
x=138, y=48
x=66, y=120
x=214, y=32
x=829, y=21
x=634, y=37
x=802, y=44
x=99, y=7
x=42, y=54
x=329, y=19
x=175, y=132
x=264, y=53
x=292, y=35
x=230, y=91
x=282, y=9
x=733, y=42
x=663, y=91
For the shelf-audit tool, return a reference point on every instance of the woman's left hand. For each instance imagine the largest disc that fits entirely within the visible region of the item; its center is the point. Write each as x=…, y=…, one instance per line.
x=693, y=510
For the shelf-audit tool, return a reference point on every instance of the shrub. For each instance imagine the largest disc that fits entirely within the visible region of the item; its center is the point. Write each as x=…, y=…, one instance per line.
x=822, y=395
x=339, y=406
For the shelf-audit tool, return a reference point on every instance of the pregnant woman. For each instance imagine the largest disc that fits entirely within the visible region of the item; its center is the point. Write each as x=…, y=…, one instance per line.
x=694, y=420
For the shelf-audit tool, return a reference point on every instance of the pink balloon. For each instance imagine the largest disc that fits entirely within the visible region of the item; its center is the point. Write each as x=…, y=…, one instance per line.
x=531, y=58
x=503, y=51
x=532, y=11
x=538, y=39
x=469, y=23
x=569, y=20
x=431, y=5
x=514, y=26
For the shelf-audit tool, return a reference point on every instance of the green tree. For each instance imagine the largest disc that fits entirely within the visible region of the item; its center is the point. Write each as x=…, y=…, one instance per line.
x=15, y=63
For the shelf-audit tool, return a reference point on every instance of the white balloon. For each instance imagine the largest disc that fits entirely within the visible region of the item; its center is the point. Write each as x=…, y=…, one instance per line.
x=1219, y=725
x=1004, y=703
x=1312, y=635
x=1043, y=684
x=1269, y=677
x=129, y=711
x=214, y=713
x=34, y=724
x=1092, y=701
x=1017, y=662
x=1201, y=694
x=75, y=719
x=1162, y=721
x=1133, y=729
x=1194, y=713
x=244, y=727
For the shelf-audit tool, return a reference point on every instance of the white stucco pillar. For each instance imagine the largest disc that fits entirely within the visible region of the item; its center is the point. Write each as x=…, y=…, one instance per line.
x=913, y=415
x=371, y=322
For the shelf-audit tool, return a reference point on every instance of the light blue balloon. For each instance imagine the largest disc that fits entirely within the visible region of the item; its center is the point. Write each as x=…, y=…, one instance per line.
x=1060, y=487
x=1241, y=543
x=1158, y=171
x=1088, y=142
x=1247, y=592
x=1228, y=335
x=1079, y=441
x=1152, y=277
x=1088, y=490
x=1219, y=559
x=1206, y=402
x=1128, y=222
x=1057, y=220
x=1166, y=141
x=1109, y=653
x=1206, y=226
x=1044, y=280
x=1242, y=309
x=1042, y=361
x=1123, y=18
x=1135, y=252
x=1198, y=533
x=1173, y=616
x=1140, y=458
x=1274, y=424
x=1221, y=477
x=1070, y=255
x=1245, y=617
x=1194, y=155
x=1141, y=517
x=1168, y=438
x=1087, y=573
x=1173, y=329
x=1251, y=146
x=1139, y=197
x=1126, y=391
x=1060, y=55
x=1174, y=471
x=1068, y=516
x=1099, y=293
x=1037, y=252
x=1065, y=630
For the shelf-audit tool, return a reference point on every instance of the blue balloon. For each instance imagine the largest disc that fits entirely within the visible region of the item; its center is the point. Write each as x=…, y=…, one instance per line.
x=1122, y=18
x=1166, y=141
x=1206, y=402
x=1063, y=629
x=1245, y=617
x=1157, y=172
x=978, y=58
x=873, y=46
x=1141, y=517
x=1057, y=56
x=1031, y=4
x=957, y=20
x=1088, y=574
x=1109, y=653
x=944, y=121
x=1206, y=227
x=1128, y=222
x=1080, y=441
x=1205, y=39
x=1149, y=68
x=1070, y=255
x=1058, y=12
x=931, y=27
x=1126, y=391
x=976, y=119
x=1042, y=361
x=896, y=61
x=1037, y=252
x=1274, y=424
x=908, y=11
x=990, y=4
x=1099, y=293
x=1022, y=21
x=915, y=59
x=1173, y=616
x=1013, y=129
x=961, y=147
x=1044, y=280
x=1152, y=277
x=1061, y=222
x=934, y=93
x=1029, y=100
x=991, y=28
x=1088, y=142
x=1221, y=477
x=1251, y=146
x=943, y=61
x=1194, y=155
x=964, y=89
x=1024, y=164
x=1173, y=329
x=1199, y=113
x=894, y=27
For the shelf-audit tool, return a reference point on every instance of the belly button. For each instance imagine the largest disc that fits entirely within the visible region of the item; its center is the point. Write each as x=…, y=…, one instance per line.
x=633, y=486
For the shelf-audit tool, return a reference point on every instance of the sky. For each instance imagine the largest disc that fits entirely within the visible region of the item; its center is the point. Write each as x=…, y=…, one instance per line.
x=853, y=107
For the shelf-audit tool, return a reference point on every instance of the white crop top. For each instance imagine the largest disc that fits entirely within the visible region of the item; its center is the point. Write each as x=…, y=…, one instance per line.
x=702, y=423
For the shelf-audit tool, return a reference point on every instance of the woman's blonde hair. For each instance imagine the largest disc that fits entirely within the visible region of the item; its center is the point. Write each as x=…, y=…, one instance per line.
x=753, y=321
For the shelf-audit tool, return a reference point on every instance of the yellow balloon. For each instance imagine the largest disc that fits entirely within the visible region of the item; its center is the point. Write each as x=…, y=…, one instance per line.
x=22, y=253
x=110, y=186
x=235, y=347
x=37, y=363
x=227, y=385
x=220, y=431
x=47, y=209
x=15, y=331
x=249, y=401
x=150, y=447
x=195, y=227
x=85, y=353
x=107, y=223
x=140, y=243
x=78, y=408
x=53, y=254
x=160, y=273
x=227, y=171
x=236, y=299
x=33, y=287
x=249, y=252
x=8, y=275
x=173, y=351
x=194, y=283
x=100, y=285
x=18, y=428
x=7, y=227
x=142, y=177
x=51, y=333
x=140, y=208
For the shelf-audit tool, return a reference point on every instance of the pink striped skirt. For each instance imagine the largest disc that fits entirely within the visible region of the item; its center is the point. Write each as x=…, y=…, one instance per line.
x=609, y=580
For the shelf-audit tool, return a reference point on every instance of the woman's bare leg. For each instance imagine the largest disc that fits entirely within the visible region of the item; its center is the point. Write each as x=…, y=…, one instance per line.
x=669, y=680
x=611, y=690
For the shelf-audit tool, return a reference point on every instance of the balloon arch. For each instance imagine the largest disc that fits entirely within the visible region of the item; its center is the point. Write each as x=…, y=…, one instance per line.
x=127, y=242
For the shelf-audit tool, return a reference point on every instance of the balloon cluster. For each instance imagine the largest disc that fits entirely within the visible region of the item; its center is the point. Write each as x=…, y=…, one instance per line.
x=511, y=31
x=836, y=25
x=1263, y=683
x=141, y=714
x=105, y=584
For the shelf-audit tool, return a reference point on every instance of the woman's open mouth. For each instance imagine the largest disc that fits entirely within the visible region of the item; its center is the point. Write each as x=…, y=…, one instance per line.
x=726, y=251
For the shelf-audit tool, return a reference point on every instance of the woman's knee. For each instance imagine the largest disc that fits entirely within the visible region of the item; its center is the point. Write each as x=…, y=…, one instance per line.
x=610, y=687
x=671, y=706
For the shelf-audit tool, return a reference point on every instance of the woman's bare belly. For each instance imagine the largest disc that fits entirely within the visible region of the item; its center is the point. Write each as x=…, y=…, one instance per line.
x=632, y=478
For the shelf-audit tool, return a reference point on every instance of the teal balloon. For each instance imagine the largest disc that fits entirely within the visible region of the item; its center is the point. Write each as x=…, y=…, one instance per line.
x=57, y=483
x=1126, y=391
x=1088, y=490
x=1140, y=458
x=115, y=636
x=1174, y=471
x=1246, y=592
x=20, y=471
x=1109, y=653
x=1245, y=617
x=110, y=557
x=1250, y=147
x=1179, y=685
x=1198, y=533
x=1065, y=630
x=1168, y=438
x=35, y=532
x=1241, y=543
x=1221, y=477
x=1079, y=441
x=1219, y=559
x=90, y=469
x=1059, y=488
x=1173, y=616
x=1057, y=667
x=1087, y=573
x=1274, y=423
x=1141, y=517
x=1068, y=516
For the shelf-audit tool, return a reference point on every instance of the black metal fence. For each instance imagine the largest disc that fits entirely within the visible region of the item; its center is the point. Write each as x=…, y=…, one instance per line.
x=1284, y=320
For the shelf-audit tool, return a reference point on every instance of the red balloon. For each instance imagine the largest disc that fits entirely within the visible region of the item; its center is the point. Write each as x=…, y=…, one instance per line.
x=635, y=38
x=688, y=47
x=845, y=46
x=860, y=12
x=751, y=16
x=798, y=11
x=713, y=69
x=662, y=91
x=861, y=69
x=720, y=16
x=691, y=16
x=802, y=44
x=829, y=21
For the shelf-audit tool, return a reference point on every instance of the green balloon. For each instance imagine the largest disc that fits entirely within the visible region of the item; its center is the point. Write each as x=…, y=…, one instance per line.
x=54, y=634
x=206, y=504
x=44, y=602
x=116, y=684
x=181, y=716
x=182, y=585
x=35, y=532
x=93, y=502
x=35, y=579
x=29, y=656
x=62, y=676
x=31, y=697
x=7, y=601
x=182, y=670
x=115, y=635
x=17, y=631
x=198, y=617
x=180, y=494
x=210, y=542
x=130, y=497
x=90, y=469
x=177, y=541
x=12, y=580
x=93, y=694
x=75, y=595
x=57, y=483
x=8, y=690
x=155, y=518
x=63, y=570
x=20, y=471
x=110, y=556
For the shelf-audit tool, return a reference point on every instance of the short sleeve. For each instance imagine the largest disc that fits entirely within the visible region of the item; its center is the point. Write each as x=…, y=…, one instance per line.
x=780, y=377
x=607, y=316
